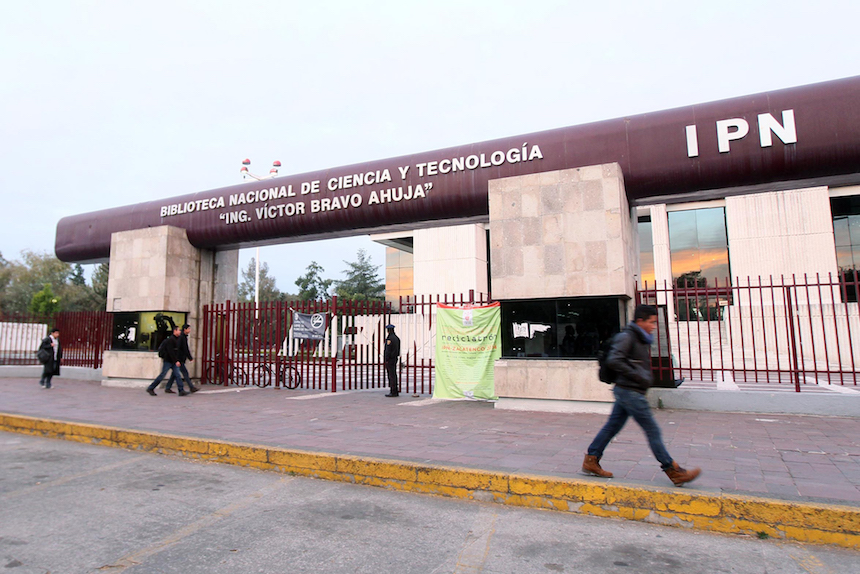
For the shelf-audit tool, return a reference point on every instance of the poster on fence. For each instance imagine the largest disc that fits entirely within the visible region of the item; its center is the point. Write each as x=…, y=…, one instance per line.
x=468, y=341
x=309, y=326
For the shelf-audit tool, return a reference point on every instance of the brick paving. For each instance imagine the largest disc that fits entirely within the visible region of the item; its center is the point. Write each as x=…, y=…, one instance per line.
x=789, y=457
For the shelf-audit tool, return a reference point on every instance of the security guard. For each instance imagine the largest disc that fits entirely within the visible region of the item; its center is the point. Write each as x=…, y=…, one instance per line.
x=391, y=357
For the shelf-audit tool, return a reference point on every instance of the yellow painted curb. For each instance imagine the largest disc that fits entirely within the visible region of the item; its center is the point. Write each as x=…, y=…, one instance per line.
x=803, y=521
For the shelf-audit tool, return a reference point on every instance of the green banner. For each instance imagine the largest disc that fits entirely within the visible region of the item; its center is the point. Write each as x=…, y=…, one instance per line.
x=468, y=341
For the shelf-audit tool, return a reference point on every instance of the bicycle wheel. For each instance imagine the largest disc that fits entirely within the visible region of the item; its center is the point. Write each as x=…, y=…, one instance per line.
x=238, y=376
x=291, y=378
x=261, y=375
x=217, y=374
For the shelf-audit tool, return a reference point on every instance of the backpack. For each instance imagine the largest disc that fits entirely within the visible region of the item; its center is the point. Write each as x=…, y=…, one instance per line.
x=604, y=372
x=162, y=349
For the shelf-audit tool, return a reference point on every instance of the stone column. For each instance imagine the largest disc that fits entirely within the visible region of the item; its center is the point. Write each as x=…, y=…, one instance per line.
x=450, y=259
x=561, y=234
x=157, y=269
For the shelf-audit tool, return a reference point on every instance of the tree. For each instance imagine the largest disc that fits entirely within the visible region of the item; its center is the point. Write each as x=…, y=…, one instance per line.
x=78, y=275
x=99, y=282
x=44, y=302
x=268, y=289
x=362, y=282
x=30, y=276
x=311, y=285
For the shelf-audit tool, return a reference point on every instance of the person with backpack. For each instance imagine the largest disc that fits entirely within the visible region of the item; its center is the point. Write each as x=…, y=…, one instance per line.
x=169, y=353
x=628, y=364
x=184, y=355
x=50, y=354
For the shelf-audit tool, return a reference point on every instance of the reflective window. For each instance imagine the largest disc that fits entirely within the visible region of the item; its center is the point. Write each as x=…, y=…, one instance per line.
x=398, y=275
x=558, y=328
x=699, y=248
x=145, y=330
x=646, y=252
x=846, y=235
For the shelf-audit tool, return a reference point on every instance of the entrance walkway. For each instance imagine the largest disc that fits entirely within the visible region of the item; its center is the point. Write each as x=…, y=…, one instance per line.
x=786, y=457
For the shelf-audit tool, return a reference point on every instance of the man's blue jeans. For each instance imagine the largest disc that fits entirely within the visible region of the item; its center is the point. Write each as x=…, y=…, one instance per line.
x=166, y=367
x=631, y=404
x=185, y=375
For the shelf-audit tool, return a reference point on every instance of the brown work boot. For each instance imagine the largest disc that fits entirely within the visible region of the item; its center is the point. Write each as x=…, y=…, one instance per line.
x=680, y=476
x=591, y=465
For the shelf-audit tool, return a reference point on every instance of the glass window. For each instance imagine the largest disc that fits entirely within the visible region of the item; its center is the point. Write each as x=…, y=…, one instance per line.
x=846, y=235
x=558, y=328
x=646, y=252
x=398, y=274
x=699, y=247
x=145, y=330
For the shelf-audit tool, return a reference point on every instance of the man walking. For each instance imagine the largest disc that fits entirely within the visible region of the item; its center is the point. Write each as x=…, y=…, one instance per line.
x=169, y=353
x=184, y=355
x=391, y=357
x=630, y=359
x=51, y=346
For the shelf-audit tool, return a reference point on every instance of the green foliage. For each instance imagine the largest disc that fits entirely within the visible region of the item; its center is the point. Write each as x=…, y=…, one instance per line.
x=21, y=282
x=44, y=302
x=99, y=282
x=362, y=282
x=311, y=285
x=78, y=275
x=268, y=290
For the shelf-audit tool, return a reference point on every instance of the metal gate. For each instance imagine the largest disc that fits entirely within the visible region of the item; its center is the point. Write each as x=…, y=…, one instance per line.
x=245, y=344
x=248, y=345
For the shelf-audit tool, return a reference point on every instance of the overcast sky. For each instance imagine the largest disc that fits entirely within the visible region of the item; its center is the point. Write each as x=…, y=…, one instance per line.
x=111, y=103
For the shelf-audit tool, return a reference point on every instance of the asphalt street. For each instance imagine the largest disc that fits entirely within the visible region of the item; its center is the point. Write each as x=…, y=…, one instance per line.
x=73, y=508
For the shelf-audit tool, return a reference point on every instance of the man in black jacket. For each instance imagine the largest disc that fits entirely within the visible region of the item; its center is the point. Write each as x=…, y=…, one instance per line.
x=184, y=355
x=169, y=351
x=391, y=357
x=51, y=345
x=630, y=359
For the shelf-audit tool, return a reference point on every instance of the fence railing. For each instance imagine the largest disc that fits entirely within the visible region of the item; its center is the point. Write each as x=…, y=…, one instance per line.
x=797, y=331
x=84, y=336
x=244, y=344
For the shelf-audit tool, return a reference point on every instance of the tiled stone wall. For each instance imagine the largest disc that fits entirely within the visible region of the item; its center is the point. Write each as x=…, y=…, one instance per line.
x=560, y=234
x=564, y=233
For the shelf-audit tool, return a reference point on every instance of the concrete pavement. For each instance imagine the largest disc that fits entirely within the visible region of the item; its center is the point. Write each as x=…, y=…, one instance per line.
x=783, y=475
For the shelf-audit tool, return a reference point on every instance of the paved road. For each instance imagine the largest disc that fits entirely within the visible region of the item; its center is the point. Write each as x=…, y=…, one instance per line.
x=72, y=508
x=778, y=456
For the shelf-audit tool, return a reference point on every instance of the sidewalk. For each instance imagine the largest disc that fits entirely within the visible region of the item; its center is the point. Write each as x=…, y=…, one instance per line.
x=786, y=458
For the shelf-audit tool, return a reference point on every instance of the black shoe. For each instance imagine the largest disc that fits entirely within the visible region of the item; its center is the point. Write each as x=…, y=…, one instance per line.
x=193, y=389
x=151, y=392
x=393, y=395
x=170, y=391
x=183, y=393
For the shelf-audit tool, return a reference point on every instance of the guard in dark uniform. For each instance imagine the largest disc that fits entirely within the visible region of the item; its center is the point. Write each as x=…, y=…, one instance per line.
x=391, y=357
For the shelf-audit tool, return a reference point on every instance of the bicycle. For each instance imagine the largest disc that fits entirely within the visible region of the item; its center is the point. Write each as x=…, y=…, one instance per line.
x=224, y=371
x=288, y=376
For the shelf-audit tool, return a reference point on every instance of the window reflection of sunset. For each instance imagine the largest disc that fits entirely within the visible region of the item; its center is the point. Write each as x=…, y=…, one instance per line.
x=698, y=244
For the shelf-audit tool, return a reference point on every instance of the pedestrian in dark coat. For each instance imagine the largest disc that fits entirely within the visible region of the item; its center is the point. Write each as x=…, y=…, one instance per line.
x=630, y=360
x=391, y=358
x=184, y=355
x=51, y=344
x=171, y=363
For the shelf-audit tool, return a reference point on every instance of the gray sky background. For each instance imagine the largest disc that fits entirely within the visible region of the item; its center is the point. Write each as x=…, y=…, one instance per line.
x=110, y=103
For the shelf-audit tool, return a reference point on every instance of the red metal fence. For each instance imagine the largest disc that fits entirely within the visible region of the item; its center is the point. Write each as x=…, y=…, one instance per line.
x=247, y=345
x=84, y=336
x=777, y=331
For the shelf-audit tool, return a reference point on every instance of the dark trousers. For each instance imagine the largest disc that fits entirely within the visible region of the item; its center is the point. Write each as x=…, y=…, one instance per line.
x=47, y=375
x=185, y=376
x=167, y=366
x=391, y=369
x=631, y=404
